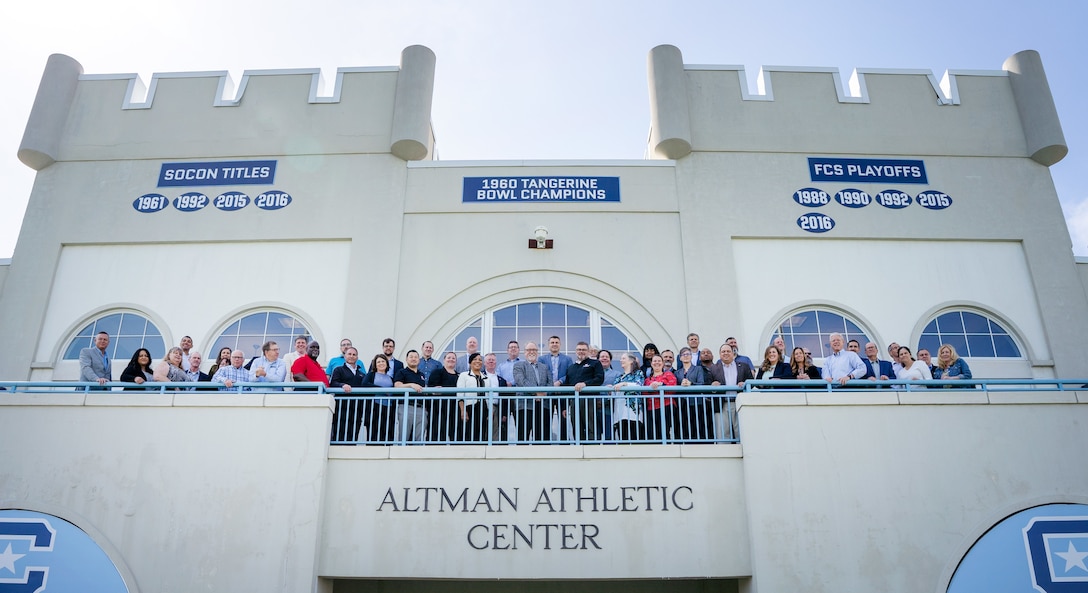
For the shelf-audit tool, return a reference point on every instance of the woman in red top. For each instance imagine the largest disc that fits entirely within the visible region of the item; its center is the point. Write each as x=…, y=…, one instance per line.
x=661, y=410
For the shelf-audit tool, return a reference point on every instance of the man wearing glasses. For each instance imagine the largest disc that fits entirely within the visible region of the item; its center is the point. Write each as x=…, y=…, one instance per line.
x=339, y=360
x=584, y=372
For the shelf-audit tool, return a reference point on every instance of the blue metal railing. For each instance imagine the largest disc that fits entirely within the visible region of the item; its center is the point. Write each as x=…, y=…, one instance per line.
x=509, y=415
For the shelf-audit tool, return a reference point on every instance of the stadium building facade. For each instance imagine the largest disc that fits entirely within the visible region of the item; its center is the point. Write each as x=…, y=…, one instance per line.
x=895, y=206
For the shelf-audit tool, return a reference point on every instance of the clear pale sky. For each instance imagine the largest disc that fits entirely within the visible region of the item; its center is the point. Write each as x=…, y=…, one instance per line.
x=539, y=80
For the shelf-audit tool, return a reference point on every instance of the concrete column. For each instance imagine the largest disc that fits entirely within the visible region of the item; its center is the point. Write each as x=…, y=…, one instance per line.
x=670, y=122
x=411, y=138
x=44, y=127
x=1035, y=103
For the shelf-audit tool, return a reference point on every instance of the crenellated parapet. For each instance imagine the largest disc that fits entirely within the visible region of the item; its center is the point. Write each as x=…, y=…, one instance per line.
x=1007, y=112
x=78, y=116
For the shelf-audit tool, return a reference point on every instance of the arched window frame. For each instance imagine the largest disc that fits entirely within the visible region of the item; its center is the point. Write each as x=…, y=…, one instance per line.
x=867, y=334
x=118, y=338
x=1010, y=330
x=286, y=345
x=483, y=326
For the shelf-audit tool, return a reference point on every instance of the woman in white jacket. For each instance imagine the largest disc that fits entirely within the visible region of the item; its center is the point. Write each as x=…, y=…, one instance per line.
x=913, y=370
x=473, y=404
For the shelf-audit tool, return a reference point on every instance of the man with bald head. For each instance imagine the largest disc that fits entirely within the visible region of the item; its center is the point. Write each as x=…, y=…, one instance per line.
x=306, y=368
x=234, y=372
x=877, y=370
x=472, y=346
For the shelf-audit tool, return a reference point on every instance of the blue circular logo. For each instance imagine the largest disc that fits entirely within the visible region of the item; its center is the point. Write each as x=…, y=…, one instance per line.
x=40, y=552
x=1044, y=548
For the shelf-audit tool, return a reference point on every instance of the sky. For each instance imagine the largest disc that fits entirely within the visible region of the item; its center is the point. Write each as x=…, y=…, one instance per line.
x=521, y=80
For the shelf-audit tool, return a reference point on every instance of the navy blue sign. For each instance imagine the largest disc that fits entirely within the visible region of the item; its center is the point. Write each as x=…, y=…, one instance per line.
x=221, y=173
x=541, y=189
x=190, y=201
x=272, y=200
x=231, y=201
x=150, y=203
x=814, y=222
x=811, y=197
x=867, y=170
x=853, y=198
x=893, y=198
x=934, y=200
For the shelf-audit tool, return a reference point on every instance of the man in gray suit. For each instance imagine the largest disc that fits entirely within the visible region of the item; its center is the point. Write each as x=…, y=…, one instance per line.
x=533, y=413
x=94, y=365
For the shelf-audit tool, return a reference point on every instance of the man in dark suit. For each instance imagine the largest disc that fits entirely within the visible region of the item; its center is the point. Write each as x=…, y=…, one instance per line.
x=728, y=371
x=557, y=361
x=194, y=372
x=876, y=370
x=582, y=373
x=94, y=365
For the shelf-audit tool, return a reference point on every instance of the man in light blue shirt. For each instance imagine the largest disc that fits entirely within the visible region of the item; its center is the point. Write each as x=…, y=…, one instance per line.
x=269, y=368
x=339, y=360
x=842, y=365
x=506, y=368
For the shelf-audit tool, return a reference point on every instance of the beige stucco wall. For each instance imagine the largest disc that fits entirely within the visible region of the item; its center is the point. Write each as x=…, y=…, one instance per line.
x=194, y=492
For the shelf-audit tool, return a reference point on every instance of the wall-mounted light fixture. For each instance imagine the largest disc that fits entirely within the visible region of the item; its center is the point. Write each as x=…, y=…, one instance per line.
x=540, y=240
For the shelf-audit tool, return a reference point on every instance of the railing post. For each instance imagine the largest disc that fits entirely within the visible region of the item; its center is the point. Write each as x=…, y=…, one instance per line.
x=575, y=423
x=661, y=412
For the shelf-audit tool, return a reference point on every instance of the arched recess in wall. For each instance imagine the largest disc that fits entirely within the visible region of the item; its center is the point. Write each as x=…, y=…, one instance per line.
x=1037, y=545
x=810, y=326
x=249, y=328
x=129, y=328
x=618, y=308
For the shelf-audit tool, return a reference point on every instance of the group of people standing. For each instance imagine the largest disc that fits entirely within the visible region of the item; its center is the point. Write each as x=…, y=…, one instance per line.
x=608, y=404
x=631, y=403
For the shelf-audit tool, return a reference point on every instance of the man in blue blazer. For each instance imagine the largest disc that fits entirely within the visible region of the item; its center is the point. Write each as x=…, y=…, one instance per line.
x=94, y=365
x=557, y=364
x=876, y=370
x=556, y=361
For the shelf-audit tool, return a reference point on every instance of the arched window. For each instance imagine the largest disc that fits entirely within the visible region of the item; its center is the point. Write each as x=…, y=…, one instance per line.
x=972, y=334
x=811, y=329
x=253, y=329
x=536, y=322
x=128, y=332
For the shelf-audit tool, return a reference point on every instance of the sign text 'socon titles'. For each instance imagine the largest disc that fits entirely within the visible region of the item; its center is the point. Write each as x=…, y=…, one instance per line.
x=867, y=170
x=541, y=189
x=217, y=173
